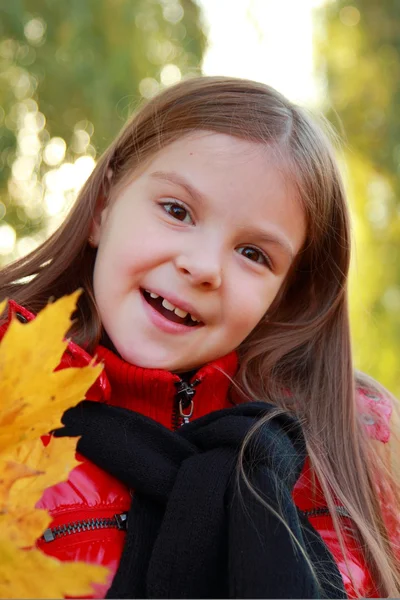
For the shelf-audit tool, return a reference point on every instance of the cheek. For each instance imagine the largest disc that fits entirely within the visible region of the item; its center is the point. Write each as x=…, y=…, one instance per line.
x=248, y=304
x=125, y=250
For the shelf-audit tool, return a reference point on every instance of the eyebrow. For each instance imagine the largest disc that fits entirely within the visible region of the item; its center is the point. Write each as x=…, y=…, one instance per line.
x=263, y=236
x=259, y=234
x=175, y=178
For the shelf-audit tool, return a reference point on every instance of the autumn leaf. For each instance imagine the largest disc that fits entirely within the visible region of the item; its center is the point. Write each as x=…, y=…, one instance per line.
x=32, y=574
x=52, y=463
x=33, y=398
x=10, y=473
x=24, y=482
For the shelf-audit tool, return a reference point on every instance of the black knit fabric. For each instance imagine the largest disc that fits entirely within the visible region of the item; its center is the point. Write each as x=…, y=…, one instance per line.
x=192, y=531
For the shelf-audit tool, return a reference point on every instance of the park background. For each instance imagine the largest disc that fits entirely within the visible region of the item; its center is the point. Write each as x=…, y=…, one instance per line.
x=71, y=72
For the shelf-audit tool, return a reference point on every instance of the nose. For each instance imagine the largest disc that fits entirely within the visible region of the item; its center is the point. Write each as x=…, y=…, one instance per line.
x=204, y=269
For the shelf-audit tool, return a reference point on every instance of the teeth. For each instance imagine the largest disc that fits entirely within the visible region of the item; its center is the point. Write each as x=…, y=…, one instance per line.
x=168, y=305
x=178, y=311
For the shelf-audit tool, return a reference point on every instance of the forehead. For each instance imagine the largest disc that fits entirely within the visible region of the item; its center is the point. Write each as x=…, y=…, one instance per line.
x=216, y=160
x=208, y=149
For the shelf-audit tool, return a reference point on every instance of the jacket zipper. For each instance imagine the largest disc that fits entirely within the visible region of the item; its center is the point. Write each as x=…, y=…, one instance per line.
x=324, y=511
x=183, y=405
x=118, y=521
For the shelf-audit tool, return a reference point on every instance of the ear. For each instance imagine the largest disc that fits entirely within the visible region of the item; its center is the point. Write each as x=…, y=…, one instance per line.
x=100, y=215
x=96, y=226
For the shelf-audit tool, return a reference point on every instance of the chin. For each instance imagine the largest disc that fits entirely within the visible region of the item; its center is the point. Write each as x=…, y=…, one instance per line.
x=150, y=360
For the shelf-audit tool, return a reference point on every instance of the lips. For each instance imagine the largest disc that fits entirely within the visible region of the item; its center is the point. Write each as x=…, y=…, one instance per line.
x=170, y=311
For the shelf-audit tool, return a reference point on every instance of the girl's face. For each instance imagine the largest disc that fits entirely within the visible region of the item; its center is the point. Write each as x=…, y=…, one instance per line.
x=192, y=252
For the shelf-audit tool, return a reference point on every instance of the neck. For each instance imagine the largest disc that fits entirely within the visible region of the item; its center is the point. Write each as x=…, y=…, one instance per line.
x=167, y=397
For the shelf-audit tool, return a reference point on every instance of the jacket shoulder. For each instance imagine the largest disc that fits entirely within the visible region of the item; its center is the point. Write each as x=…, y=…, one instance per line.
x=375, y=412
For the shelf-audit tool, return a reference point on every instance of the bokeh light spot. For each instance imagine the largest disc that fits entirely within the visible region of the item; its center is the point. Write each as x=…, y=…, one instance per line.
x=7, y=239
x=173, y=12
x=23, y=167
x=8, y=49
x=85, y=126
x=80, y=141
x=350, y=16
x=54, y=203
x=391, y=299
x=34, y=210
x=23, y=86
x=54, y=151
x=170, y=74
x=34, y=121
x=34, y=31
x=148, y=87
x=83, y=167
x=31, y=105
x=380, y=198
x=29, y=143
x=26, y=245
x=146, y=23
x=160, y=53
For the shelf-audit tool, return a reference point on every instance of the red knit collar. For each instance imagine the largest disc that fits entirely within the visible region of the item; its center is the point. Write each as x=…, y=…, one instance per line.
x=153, y=392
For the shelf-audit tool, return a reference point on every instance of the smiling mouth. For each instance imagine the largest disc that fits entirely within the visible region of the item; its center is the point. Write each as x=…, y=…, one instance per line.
x=157, y=304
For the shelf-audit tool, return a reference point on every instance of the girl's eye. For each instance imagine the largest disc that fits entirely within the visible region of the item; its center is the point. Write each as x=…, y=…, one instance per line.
x=254, y=255
x=177, y=211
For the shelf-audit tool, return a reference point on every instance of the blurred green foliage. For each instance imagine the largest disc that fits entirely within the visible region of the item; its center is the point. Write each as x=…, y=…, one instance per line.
x=359, y=55
x=79, y=68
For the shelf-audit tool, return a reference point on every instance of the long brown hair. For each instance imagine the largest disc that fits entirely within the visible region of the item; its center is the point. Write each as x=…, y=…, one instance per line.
x=300, y=358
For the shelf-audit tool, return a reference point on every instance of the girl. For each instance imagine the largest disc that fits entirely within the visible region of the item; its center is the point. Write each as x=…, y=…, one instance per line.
x=212, y=244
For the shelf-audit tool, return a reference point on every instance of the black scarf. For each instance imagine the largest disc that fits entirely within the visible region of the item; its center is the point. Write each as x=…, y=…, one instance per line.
x=192, y=532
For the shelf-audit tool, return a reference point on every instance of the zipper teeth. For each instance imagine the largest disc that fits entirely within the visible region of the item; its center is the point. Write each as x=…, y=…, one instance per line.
x=324, y=511
x=175, y=418
x=117, y=522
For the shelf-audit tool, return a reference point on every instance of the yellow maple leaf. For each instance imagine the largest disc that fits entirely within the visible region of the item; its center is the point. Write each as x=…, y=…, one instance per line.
x=32, y=574
x=23, y=484
x=22, y=526
x=33, y=395
x=51, y=464
x=11, y=472
x=33, y=398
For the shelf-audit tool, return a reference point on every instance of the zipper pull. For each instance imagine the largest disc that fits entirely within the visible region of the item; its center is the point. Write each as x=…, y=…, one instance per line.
x=184, y=395
x=121, y=521
x=48, y=535
x=185, y=416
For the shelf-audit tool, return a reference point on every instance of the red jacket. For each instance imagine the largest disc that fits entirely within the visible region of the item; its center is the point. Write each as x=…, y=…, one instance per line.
x=88, y=510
